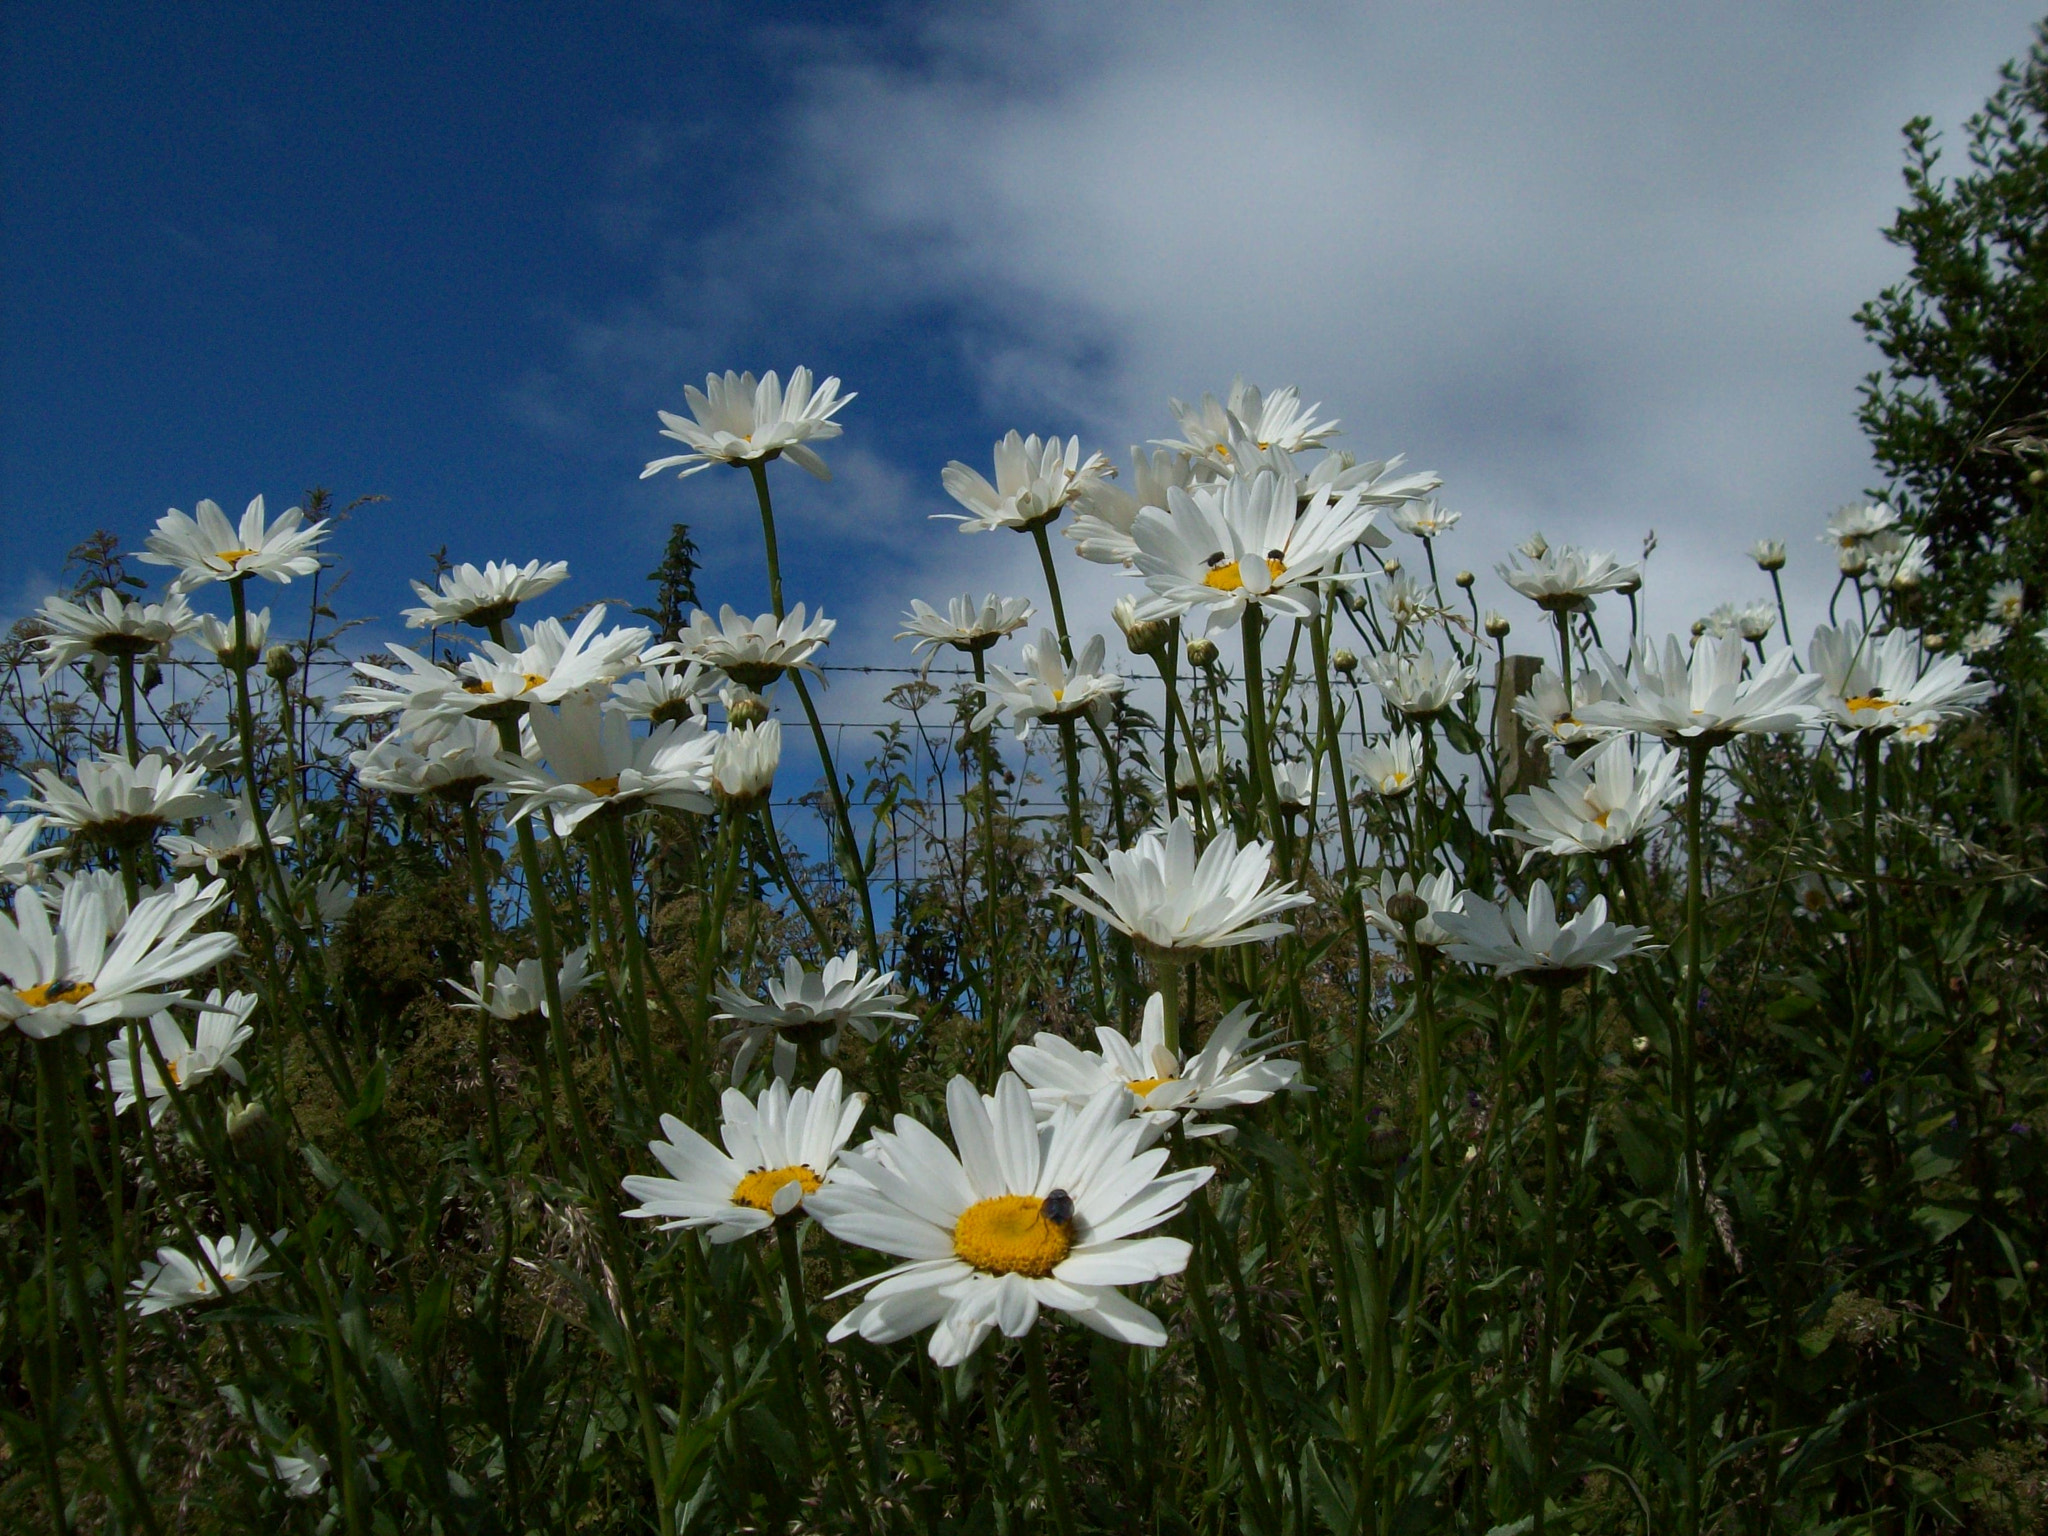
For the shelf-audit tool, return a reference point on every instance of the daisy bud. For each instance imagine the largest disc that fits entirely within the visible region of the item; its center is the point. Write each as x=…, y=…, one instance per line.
x=1497, y=625
x=2038, y=477
x=1934, y=642
x=249, y=1125
x=1407, y=908
x=279, y=663
x=1465, y=579
x=152, y=675
x=1472, y=1152
x=1351, y=600
x=747, y=709
x=1769, y=554
x=1699, y=627
x=1640, y=1044
x=1630, y=584
x=1852, y=560
x=1143, y=636
x=1344, y=662
x=1202, y=652
x=1391, y=567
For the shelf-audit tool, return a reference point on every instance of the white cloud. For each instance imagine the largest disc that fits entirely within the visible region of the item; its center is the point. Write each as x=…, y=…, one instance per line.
x=1595, y=264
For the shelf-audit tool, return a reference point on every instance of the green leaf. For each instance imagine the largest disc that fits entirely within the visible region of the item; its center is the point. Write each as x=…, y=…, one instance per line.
x=369, y=1103
x=1941, y=1222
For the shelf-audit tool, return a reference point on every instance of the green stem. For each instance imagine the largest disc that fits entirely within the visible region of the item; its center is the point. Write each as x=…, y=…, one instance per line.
x=814, y=1378
x=55, y=1105
x=1546, y=1331
x=1255, y=739
x=1077, y=843
x=1052, y=588
x=1048, y=1435
x=991, y=895
x=1694, y=1252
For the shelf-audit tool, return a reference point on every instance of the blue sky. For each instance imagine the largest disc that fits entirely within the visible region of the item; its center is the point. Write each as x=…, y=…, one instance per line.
x=1594, y=264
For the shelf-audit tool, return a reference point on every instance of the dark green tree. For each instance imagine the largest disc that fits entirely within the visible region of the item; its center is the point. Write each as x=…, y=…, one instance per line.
x=1958, y=415
x=675, y=582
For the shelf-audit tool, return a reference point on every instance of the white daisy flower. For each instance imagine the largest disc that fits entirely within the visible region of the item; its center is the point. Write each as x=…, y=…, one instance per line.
x=217, y=636
x=100, y=962
x=1544, y=711
x=590, y=761
x=1104, y=512
x=301, y=1475
x=779, y=1149
x=1034, y=481
x=229, y=836
x=1278, y=420
x=1023, y=1216
x=755, y=652
x=21, y=861
x=515, y=992
x=221, y=1029
x=552, y=663
x=1416, y=684
x=665, y=692
x=1424, y=518
x=738, y=421
x=1390, y=766
x=2007, y=604
x=429, y=700
x=1400, y=899
x=743, y=769
x=1875, y=682
x=483, y=597
x=1899, y=562
x=175, y=1280
x=1231, y=1070
x=1983, y=639
x=1294, y=780
x=211, y=548
x=1703, y=694
x=1175, y=905
x=806, y=1006
x=1244, y=541
x=108, y=624
x=1852, y=525
x=1566, y=580
x=1742, y=621
x=117, y=801
x=1511, y=939
x=452, y=768
x=1410, y=604
x=1597, y=803
x=1769, y=554
x=1337, y=474
x=966, y=625
x=1047, y=688
x=1812, y=896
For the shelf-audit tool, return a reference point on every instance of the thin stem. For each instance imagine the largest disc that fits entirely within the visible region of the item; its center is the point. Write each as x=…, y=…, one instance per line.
x=1077, y=843
x=51, y=1065
x=814, y=1378
x=1546, y=1330
x=992, y=1003
x=1052, y=588
x=1694, y=1250
x=1047, y=1434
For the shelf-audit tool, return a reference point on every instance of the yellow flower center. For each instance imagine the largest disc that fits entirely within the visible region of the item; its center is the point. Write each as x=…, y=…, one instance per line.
x=1222, y=451
x=43, y=994
x=528, y=682
x=1228, y=578
x=1010, y=1235
x=759, y=1188
x=604, y=788
x=1059, y=695
x=1144, y=1085
x=1600, y=821
x=233, y=556
x=1864, y=701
